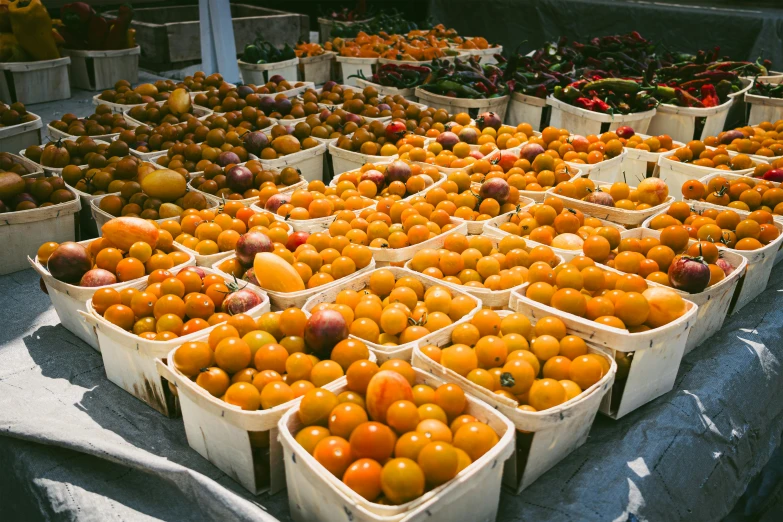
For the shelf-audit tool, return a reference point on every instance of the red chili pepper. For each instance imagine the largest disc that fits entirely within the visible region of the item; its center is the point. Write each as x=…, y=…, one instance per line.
x=686, y=100
x=97, y=32
x=584, y=103
x=599, y=105
x=708, y=96
x=638, y=37
x=117, y=37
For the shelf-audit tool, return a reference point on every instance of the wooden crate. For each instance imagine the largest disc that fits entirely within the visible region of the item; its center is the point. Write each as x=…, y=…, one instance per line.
x=170, y=36
x=35, y=82
x=99, y=70
x=325, y=26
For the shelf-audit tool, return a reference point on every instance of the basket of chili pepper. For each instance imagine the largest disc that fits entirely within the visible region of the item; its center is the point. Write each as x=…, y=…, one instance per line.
x=261, y=60
x=465, y=86
x=696, y=95
x=770, y=77
x=315, y=62
x=393, y=79
x=103, y=51
x=351, y=67
x=534, y=76
x=596, y=106
x=766, y=102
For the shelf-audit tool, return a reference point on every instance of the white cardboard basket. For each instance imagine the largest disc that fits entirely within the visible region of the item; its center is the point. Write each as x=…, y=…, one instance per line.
x=495, y=299
x=437, y=183
x=610, y=170
x=523, y=108
x=309, y=161
x=99, y=70
x=69, y=299
x=34, y=170
x=730, y=175
x=497, y=105
x=408, y=94
x=680, y=122
x=760, y=262
x=199, y=112
x=87, y=226
x=221, y=433
x=317, y=69
x=476, y=228
x=493, y=230
x=304, y=225
x=714, y=301
x=129, y=360
x=614, y=214
x=204, y=260
x=101, y=217
x=35, y=82
x=473, y=495
x=656, y=353
x=402, y=351
x=54, y=171
x=675, y=173
x=540, y=195
x=309, y=225
x=224, y=434
x=543, y=438
x=772, y=77
x=56, y=134
x=582, y=121
x=636, y=160
x=281, y=189
x=23, y=232
x=115, y=107
x=291, y=93
x=19, y=137
x=283, y=300
x=386, y=256
x=259, y=74
x=763, y=108
x=349, y=66
x=347, y=160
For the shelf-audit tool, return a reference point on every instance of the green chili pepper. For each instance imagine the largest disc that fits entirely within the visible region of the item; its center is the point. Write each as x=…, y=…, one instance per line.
x=613, y=84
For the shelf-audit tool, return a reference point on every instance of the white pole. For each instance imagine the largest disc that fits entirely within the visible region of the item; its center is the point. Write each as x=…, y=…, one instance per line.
x=218, y=50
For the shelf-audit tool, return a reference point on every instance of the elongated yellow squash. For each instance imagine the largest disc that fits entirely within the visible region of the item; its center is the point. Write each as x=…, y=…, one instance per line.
x=275, y=274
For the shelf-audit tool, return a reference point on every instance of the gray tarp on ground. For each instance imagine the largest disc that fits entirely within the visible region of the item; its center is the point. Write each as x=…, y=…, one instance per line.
x=743, y=31
x=74, y=446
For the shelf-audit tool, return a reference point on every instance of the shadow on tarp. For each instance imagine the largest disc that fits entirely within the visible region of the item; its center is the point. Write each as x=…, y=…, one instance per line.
x=61, y=355
x=20, y=290
x=77, y=478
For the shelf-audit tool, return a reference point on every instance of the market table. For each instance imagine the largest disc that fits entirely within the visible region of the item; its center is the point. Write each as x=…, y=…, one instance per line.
x=73, y=445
